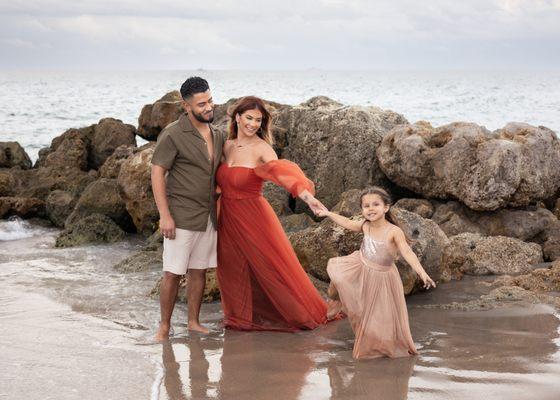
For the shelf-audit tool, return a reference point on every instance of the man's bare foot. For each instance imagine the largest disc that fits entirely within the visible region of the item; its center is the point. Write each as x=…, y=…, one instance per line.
x=196, y=327
x=162, y=333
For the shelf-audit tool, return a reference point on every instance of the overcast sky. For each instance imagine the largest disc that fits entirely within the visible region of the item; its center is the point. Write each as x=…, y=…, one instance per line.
x=280, y=34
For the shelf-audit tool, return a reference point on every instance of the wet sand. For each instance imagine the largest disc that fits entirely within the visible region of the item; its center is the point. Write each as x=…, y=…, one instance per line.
x=71, y=328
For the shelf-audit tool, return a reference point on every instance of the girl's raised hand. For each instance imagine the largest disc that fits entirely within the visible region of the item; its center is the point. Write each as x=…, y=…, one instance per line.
x=322, y=212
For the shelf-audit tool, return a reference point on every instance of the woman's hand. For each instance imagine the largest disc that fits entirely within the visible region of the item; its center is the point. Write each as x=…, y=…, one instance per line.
x=314, y=204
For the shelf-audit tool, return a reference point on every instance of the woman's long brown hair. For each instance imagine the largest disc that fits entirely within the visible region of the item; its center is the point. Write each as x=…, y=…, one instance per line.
x=251, y=103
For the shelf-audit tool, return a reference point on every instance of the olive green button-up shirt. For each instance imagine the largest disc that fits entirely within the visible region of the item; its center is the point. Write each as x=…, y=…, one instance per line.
x=191, y=185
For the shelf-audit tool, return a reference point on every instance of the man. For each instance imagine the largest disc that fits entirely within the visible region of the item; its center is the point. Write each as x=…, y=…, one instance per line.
x=184, y=164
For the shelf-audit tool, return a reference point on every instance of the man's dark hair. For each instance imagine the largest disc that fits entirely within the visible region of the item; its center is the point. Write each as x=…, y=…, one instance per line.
x=193, y=85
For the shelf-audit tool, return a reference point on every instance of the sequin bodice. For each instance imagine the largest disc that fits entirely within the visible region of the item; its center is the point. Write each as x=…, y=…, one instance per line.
x=377, y=251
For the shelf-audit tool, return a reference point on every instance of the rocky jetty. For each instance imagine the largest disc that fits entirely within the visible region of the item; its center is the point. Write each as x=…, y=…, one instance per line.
x=474, y=201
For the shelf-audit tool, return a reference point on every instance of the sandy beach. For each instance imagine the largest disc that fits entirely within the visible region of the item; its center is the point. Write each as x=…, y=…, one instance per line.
x=72, y=328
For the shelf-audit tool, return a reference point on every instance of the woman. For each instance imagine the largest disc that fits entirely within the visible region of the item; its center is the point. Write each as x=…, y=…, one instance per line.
x=262, y=284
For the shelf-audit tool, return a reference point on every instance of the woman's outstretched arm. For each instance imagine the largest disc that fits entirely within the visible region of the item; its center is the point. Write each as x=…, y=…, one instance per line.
x=288, y=175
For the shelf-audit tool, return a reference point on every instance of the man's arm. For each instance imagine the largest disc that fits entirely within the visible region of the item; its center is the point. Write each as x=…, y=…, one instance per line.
x=166, y=223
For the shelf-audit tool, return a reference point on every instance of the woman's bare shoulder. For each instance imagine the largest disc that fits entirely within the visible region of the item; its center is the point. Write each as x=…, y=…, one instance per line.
x=266, y=151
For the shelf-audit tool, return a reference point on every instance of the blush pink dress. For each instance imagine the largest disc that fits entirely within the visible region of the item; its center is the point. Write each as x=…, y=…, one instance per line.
x=371, y=295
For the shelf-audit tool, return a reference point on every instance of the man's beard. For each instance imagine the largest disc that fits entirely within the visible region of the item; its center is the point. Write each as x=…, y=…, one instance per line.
x=200, y=118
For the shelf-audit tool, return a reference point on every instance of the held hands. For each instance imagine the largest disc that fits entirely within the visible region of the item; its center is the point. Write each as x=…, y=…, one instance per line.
x=315, y=205
x=428, y=282
x=167, y=227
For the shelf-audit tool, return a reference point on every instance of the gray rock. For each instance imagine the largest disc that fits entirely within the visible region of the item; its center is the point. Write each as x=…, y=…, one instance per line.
x=112, y=166
x=533, y=224
x=335, y=144
x=23, y=207
x=278, y=198
x=141, y=262
x=154, y=117
x=102, y=197
x=428, y=242
x=135, y=188
x=59, y=206
x=296, y=222
x=513, y=166
x=95, y=228
x=473, y=254
x=349, y=203
x=7, y=182
x=40, y=182
x=13, y=155
x=68, y=150
x=421, y=207
x=108, y=135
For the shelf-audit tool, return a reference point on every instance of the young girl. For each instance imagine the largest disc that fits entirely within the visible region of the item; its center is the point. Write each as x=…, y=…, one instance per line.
x=368, y=284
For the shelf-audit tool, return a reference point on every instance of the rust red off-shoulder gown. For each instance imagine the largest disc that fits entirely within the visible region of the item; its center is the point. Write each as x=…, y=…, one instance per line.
x=262, y=284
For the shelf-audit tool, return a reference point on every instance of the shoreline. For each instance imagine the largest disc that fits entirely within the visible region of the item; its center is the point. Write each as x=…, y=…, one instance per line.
x=509, y=352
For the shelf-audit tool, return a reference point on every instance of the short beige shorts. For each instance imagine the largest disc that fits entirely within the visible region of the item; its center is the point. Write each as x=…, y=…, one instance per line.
x=190, y=250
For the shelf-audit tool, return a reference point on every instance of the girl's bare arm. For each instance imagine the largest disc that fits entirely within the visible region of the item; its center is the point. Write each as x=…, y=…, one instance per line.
x=409, y=256
x=338, y=219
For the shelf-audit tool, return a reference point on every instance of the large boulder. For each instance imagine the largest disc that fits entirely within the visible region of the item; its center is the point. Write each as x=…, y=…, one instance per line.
x=108, y=134
x=428, y=242
x=335, y=144
x=95, y=228
x=535, y=224
x=40, y=182
x=112, y=166
x=349, y=203
x=513, y=166
x=7, y=182
x=13, y=155
x=59, y=206
x=68, y=150
x=473, y=254
x=422, y=207
x=135, y=188
x=87, y=148
x=23, y=207
x=102, y=197
x=154, y=117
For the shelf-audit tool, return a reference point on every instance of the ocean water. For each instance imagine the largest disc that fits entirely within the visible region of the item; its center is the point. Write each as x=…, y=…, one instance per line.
x=36, y=106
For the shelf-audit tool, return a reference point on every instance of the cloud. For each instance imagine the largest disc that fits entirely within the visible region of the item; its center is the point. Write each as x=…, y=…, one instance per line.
x=273, y=35
x=19, y=43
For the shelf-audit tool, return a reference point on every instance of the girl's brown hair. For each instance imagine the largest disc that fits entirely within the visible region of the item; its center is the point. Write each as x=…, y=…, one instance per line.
x=251, y=103
x=386, y=199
